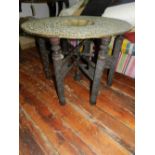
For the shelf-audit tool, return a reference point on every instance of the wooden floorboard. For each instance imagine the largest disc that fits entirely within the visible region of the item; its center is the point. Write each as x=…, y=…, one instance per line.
x=77, y=128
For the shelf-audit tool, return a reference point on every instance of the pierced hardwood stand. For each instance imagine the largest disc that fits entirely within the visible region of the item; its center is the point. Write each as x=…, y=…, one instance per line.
x=94, y=72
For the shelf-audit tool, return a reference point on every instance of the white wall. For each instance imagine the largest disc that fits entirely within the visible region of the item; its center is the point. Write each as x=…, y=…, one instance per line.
x=72, y=2
x=41, y=9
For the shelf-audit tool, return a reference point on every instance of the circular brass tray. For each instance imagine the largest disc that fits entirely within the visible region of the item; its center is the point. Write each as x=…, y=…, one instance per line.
x=76, y=27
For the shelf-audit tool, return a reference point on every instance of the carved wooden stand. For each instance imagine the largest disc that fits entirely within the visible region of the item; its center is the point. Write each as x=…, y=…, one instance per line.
x=94, y=71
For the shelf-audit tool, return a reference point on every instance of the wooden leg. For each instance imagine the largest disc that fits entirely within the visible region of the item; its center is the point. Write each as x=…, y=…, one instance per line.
x=100, y=65
x=117, y=49
x=57, y=57
x=45, y=57
x=77, y=75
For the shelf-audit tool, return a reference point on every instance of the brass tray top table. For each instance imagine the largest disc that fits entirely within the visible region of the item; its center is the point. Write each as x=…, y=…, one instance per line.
x=81, y=28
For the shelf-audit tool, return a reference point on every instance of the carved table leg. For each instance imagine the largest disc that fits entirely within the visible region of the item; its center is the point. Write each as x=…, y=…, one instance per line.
x=77, y=75
x=100, y=65
x=57, y=57
x=117, y=49
x=45, y=57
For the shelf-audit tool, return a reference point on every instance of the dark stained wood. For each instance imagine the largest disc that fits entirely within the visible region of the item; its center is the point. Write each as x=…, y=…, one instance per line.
x=102, y=60
x=76, y=128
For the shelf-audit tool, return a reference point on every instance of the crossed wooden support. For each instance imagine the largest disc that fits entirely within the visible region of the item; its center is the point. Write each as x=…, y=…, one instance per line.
x=62, y=64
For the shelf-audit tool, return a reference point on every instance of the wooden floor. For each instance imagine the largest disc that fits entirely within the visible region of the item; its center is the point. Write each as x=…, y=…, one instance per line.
x=46, y=128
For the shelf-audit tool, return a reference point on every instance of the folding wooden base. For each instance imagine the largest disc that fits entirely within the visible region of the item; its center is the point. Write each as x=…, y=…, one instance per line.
x=63, y=63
